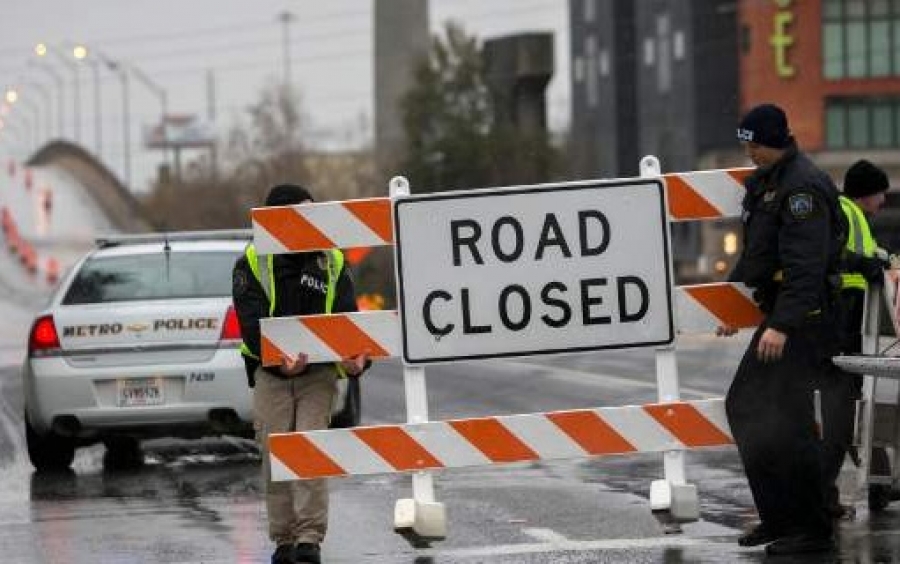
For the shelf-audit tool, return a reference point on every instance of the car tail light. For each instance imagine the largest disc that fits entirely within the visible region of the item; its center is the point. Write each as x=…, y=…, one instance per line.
x=43, y=339
x=231, y=329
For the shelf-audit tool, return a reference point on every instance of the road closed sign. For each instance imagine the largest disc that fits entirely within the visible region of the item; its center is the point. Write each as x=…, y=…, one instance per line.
x=533, y=270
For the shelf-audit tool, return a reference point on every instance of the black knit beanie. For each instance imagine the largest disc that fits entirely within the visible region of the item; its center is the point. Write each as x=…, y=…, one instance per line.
x=766, y=125
x=287, y=195
x=864, y=179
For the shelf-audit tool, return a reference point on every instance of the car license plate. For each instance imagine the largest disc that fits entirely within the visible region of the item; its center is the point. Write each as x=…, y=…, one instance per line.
x=140, y=391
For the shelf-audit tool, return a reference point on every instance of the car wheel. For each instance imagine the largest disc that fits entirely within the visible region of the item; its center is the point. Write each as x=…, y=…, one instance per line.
x=122, y=453
x=351, y=414
x=50, y=452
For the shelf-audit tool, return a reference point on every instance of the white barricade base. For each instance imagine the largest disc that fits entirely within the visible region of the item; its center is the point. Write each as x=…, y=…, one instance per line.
x=420, y=520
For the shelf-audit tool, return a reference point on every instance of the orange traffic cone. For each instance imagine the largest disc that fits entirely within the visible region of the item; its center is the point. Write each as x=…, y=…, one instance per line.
x=52, y=266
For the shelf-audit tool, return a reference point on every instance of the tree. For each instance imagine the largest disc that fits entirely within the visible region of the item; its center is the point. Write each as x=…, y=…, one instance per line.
x=452, y=138
x=446, y=116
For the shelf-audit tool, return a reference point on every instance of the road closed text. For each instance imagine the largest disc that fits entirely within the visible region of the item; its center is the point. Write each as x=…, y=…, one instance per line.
x=591, y=301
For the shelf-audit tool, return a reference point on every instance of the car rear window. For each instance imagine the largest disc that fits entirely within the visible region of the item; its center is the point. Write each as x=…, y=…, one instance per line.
x=152, y=277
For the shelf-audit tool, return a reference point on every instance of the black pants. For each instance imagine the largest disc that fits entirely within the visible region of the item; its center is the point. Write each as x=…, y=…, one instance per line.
x=839, y=400
x=770, y=408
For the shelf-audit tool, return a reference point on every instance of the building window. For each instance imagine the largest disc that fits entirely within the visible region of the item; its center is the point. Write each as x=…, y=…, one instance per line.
x=592, y=86
x=664, y=50
x=862, y=123
x=649, y=52
x=835, y=127
x=882, y=125
x=678, y=45
x=860, y=38
x=604, y=62
x=590, y=10
x=578, y=69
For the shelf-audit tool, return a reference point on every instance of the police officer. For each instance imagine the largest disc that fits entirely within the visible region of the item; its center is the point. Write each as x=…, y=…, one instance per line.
x=297, y=395
x=793, y=236
x=864, y=194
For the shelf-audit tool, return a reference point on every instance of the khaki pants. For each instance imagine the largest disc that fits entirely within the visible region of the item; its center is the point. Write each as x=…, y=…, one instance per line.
x=298, y=510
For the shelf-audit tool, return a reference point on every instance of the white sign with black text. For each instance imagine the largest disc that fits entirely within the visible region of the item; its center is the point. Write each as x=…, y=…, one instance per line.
x=533, y=270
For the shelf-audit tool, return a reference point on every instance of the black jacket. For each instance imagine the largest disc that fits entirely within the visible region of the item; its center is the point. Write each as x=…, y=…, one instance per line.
x=794, y=233
x=301, y=281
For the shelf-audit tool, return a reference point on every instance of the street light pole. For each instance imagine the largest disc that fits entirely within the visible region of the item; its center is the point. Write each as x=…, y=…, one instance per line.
x=160, y=93
x=23, y=103
x=41, y=49
x=45, y=94
x=122, y=71
x=98, y=103
x=126, y=116
x=60, y=94
x=286, y=18
x=81, y=53
x=24, y=127
x=12, y=131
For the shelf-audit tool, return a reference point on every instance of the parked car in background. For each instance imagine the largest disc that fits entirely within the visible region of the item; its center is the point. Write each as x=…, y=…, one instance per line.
x=140, y=340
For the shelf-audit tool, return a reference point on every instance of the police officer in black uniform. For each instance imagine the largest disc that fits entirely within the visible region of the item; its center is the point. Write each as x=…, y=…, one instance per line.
x=793, y=237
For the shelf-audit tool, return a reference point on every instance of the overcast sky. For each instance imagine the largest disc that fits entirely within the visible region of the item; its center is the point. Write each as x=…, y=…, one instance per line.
x=176, y=42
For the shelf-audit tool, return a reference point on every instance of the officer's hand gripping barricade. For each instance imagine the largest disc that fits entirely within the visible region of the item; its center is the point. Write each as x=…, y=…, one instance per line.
x=420, y=446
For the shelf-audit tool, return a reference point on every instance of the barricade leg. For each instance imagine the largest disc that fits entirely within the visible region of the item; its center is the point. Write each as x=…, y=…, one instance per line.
x=420, y=519
x=672, y=500
x=854, y=490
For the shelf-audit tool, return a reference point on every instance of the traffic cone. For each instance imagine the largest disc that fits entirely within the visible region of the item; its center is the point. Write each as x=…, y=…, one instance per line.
x=52, y=266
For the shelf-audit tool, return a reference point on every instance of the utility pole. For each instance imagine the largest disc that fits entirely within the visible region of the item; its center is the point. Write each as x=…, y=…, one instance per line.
x=211, y=117
x=160, y=93
x=286, y=18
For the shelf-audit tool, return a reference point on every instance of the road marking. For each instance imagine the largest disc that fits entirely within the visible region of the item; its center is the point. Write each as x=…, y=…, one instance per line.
x=726, y=543
x=545, y=535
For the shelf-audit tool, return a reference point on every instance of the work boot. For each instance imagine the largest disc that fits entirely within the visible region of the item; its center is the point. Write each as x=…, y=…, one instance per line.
x=760, y=534
x=804, y=543
x=307, y=553
x=284, y=554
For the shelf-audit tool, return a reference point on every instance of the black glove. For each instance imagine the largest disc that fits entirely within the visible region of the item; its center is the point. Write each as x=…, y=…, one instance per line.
x=872, y=269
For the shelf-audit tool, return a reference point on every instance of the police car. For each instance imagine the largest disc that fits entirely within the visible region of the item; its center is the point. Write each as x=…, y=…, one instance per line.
x=140, y=340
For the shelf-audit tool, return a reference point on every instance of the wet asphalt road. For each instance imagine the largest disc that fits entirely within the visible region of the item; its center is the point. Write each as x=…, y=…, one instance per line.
x=199, y=501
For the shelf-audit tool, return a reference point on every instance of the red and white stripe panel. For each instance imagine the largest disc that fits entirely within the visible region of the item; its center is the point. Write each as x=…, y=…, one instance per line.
x=702, y=307
x=347, y=224
x=326, y=338
x=707, y=194
x=499, y=440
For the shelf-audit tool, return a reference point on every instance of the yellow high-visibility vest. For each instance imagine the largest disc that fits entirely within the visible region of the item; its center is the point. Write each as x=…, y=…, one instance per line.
x=263, y=274
x=859, y=241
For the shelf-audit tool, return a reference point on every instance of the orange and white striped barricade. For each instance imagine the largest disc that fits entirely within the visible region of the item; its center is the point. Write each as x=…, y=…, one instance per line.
x=700, y=195
x=437, y=445
x=692, y=196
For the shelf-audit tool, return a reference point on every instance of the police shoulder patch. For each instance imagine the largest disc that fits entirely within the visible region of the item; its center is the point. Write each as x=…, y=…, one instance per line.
x=801, y=205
